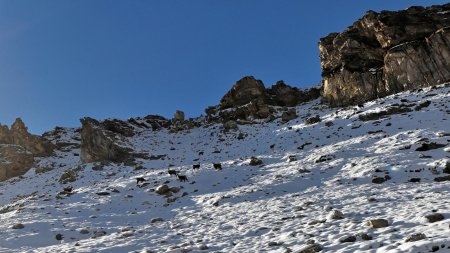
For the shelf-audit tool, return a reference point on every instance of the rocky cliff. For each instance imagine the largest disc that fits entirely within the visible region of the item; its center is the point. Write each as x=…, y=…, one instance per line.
x=249, y=99
x=18, y=148
x=387, y=52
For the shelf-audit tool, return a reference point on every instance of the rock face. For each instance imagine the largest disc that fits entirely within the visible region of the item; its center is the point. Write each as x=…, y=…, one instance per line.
x=384, y=53
x=19, y=135
x=100, y=144
x=14, y=161
x=18, y=148
x=249, y=99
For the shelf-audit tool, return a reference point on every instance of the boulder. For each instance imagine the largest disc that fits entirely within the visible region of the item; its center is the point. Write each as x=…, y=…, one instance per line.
x=14, y=161
x=288, y=115
x=243, y=92
x=162, y=189
x=384, y=53
x=378, y=223
x=178, y=116
x=100, y=144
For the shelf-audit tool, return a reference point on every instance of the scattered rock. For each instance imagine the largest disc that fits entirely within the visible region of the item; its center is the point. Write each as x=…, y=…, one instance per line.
x=310, y=248
x=98, y=234
x=430, y=146
x=313, y=120
x=378, y=223
x=434, y=217
x=366, y=237
x=162, y=189
x=324, y=158
x=84, y=231
x=230, y=125
x=18, y=226
x=416, y=237
x=59, y=237
x=288, y=115
x=255, y=161
x=155, y=220
x=335, y=215
x=68, y=176
x=379, y=180
x=350, y=238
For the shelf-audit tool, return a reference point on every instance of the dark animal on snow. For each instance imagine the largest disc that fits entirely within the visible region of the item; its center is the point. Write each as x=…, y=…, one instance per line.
x=68, y=189
x=182, y=178
x=172, y=172
x=196, y=166
x=217, y=166
x=140, y=180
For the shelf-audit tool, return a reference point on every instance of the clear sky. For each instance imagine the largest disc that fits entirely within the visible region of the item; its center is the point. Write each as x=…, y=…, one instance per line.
x=62, y=60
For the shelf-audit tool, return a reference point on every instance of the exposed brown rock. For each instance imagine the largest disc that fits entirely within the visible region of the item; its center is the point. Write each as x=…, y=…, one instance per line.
x=178, y=116
x=384, y=53
x=243, y=92
x=19, y=135
x=248, y=99
x=14, y=161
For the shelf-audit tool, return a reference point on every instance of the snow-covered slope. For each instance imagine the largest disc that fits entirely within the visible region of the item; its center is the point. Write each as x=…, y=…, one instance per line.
x=314, y=189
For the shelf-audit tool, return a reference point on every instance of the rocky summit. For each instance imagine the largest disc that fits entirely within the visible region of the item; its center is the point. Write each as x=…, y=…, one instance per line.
x=385, y=53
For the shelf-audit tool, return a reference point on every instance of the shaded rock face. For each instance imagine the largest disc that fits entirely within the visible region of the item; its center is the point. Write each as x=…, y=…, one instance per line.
x=19, y=135
x=249, y=99
x=243, y=92
x=384, y=53
x=100, y=144
x=14, y=161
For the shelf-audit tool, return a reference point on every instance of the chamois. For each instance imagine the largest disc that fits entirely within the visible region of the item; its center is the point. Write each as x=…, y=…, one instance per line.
x=182, y=178
x=68, y=189
x=140, y=180
x=217, y=166
x=172, y=172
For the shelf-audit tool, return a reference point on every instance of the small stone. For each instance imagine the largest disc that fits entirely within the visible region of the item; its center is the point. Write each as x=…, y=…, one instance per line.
x=255, y=161
x=203, y=247
x=416, y=237
x=154, y=220
x=97, y=234
x=84, y=231
x=366, y=237
x=162, y=189
x=434, y=217
x=311, y=248
x=350, y=238
x=59, y=237
x=174, y=189
x=335, y=215
x=378, y=180
x=378, y=223
x=18, y=226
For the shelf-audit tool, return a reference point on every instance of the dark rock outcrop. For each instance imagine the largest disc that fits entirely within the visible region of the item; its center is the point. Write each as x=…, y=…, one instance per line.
x=101, y=144
x=384, y=53
x=248, y=99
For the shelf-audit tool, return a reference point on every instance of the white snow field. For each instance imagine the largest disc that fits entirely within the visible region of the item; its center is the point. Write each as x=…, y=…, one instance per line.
x=314, y=190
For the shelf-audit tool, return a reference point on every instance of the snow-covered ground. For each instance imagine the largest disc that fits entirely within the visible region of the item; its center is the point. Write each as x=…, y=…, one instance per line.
x=284, y=205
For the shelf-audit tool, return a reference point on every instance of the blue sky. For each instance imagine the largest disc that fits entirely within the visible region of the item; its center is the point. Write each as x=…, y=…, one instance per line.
x=63, y=60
